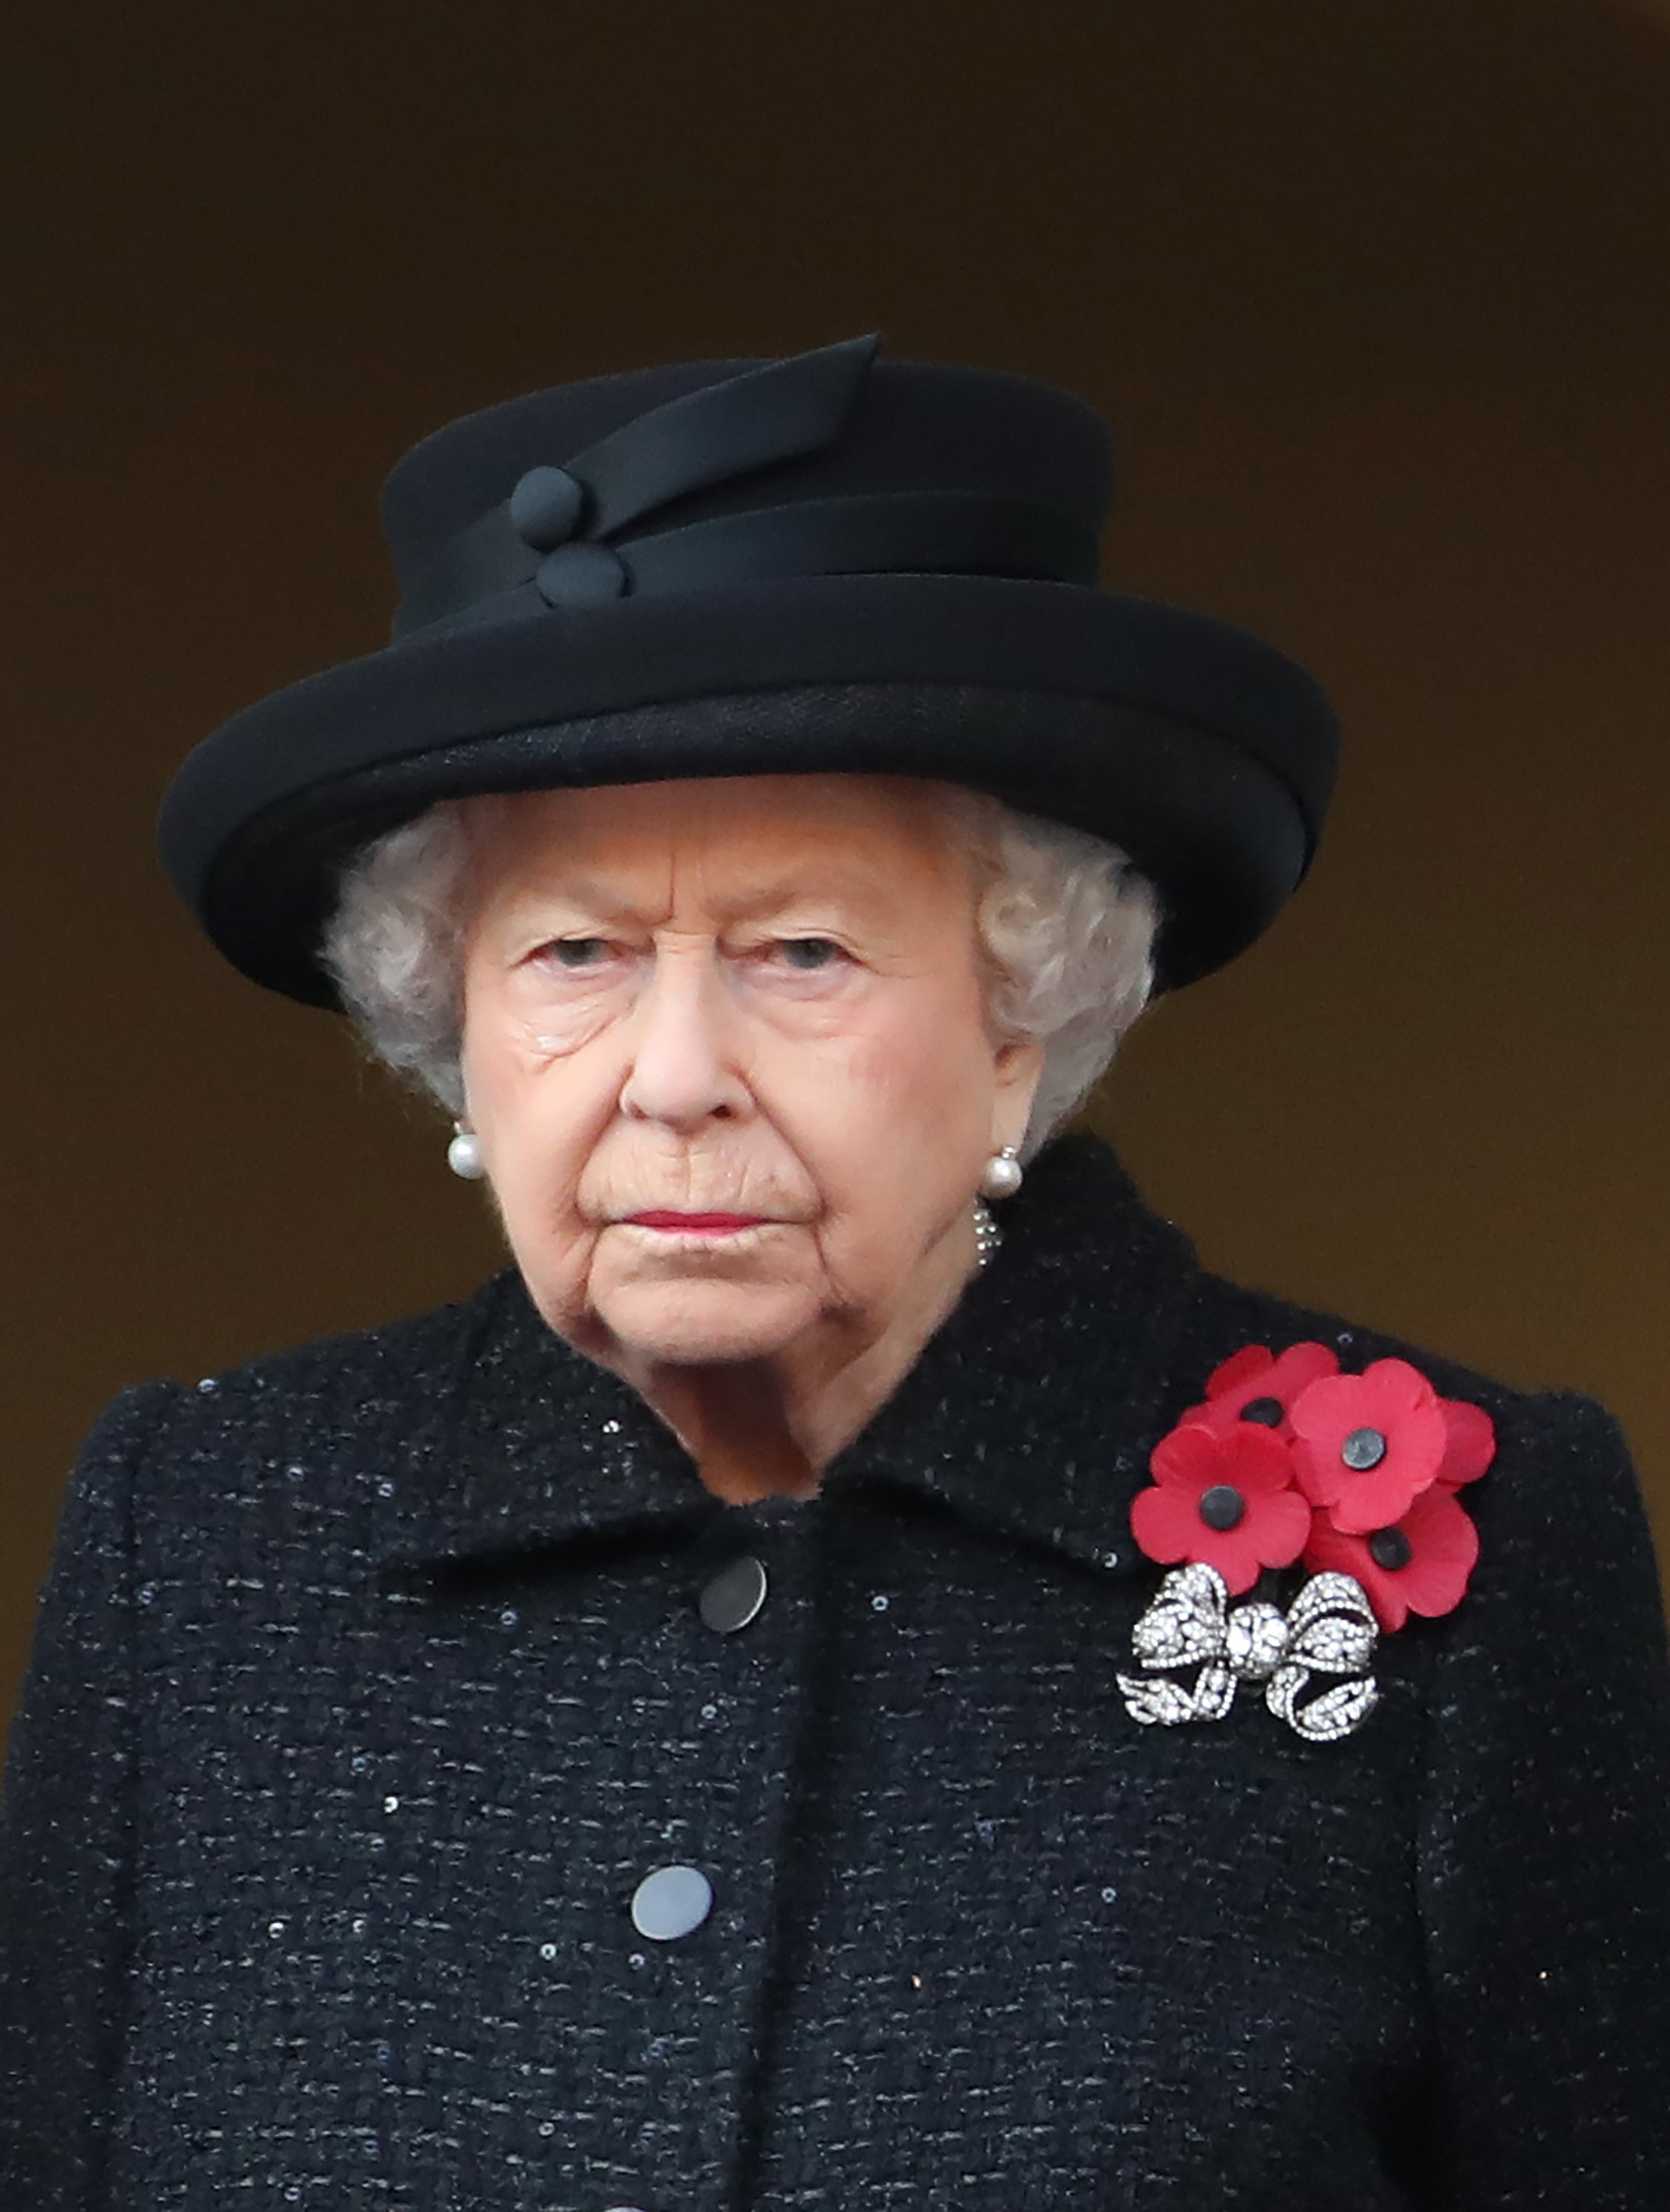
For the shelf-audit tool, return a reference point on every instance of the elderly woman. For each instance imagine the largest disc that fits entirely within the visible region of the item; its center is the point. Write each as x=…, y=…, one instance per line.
x=854, y=1673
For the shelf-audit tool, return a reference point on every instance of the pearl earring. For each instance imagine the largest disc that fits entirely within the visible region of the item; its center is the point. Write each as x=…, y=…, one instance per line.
x=1002, y=1176
x=464, y=1155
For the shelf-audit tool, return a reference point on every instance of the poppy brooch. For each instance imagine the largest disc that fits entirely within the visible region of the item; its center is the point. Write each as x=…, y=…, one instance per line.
x=1290, y=1463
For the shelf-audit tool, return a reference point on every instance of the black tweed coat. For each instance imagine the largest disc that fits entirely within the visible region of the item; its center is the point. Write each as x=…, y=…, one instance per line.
x=370, y=1681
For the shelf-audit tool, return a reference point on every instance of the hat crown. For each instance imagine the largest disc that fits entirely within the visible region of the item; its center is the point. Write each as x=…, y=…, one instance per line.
x=827, y=564
x=910, y=427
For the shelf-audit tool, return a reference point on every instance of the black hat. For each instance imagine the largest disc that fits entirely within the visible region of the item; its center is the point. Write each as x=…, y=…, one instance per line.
x=733, y=568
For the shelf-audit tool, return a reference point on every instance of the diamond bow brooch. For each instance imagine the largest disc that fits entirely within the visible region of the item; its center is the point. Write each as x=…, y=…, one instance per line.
x=1329, y=1630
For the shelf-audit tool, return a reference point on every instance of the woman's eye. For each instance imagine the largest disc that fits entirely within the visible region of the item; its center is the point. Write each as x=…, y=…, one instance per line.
x=809, y=953
x=575, y=953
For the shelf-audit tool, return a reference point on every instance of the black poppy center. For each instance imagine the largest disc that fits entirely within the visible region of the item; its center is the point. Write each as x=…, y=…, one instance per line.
x=1364, y=1448
x=1266, y=1412
x=1391, y=1549
x=1223, y=1507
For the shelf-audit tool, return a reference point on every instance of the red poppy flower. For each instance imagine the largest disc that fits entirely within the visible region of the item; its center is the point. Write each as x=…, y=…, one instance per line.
x=1253, y=1385
x=1470, y=1444
x=1225, y=1498
x=1365, y=1446
x=1420, y=1564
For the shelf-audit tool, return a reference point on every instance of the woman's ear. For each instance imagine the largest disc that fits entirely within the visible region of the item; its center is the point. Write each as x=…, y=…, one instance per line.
x=1017, y=1067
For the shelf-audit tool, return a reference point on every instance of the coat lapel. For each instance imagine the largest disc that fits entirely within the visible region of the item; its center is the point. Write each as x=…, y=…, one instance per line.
x=1033, y=1410
x=533, y=1447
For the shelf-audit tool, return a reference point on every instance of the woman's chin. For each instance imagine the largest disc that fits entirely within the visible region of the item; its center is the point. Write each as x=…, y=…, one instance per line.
x=686, y=1324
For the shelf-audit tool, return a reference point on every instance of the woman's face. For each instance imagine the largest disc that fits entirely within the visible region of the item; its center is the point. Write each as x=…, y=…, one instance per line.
x=726, y=1055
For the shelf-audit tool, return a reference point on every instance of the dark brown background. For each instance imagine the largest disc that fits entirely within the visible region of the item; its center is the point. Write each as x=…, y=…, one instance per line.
x=1376, y=296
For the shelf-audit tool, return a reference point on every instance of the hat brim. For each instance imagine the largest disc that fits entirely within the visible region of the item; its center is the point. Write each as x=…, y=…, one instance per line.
x=1205, y=755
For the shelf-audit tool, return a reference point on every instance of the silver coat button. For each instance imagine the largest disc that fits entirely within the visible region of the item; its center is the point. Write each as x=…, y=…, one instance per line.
x=734, y=1596
x=671, y=1902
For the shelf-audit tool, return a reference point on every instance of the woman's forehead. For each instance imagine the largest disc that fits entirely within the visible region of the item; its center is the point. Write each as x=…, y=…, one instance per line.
x=746, y=842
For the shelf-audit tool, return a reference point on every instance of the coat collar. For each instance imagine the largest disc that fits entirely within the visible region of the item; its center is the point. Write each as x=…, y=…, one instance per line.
x=1030, y=1412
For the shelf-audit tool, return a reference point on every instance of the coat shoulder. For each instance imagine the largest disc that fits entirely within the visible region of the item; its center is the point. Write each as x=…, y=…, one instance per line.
x=1134, y=1275
x=1233, y=1315
x=1562, y=1478
x=1564, y=1532
x=359, y=1369
x=330, y=1412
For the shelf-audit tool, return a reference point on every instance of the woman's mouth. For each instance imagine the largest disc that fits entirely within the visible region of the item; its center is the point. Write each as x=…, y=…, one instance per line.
x=695, y=1224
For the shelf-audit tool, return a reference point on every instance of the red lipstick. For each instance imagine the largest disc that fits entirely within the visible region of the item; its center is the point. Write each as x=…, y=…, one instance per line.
x=697, y=1224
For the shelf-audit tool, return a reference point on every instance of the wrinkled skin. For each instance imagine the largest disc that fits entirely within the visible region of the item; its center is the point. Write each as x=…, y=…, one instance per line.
x=756, y=1001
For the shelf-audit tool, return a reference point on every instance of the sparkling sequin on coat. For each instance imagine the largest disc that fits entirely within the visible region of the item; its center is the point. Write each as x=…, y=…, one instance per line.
x=372, y=1680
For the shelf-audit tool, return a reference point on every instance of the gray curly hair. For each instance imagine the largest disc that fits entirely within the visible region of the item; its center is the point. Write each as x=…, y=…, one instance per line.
x=1066, y=927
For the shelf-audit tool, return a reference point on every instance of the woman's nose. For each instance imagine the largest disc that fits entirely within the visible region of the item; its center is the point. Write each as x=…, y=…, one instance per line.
x=684, y=1068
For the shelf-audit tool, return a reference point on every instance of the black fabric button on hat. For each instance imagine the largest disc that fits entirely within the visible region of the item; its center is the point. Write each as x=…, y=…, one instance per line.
x=545, y=508
x=581, y=576
x=830, y=563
